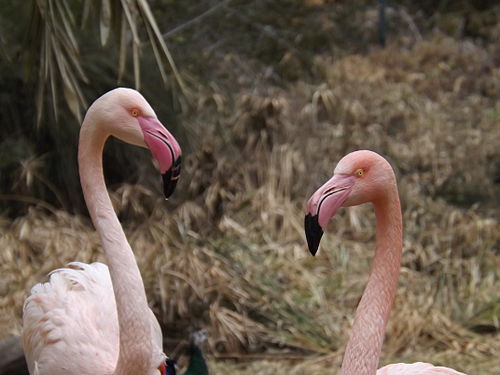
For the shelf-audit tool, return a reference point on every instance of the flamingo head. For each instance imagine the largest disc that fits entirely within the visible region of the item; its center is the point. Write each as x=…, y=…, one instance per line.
x=125, y=113
x=360, y=177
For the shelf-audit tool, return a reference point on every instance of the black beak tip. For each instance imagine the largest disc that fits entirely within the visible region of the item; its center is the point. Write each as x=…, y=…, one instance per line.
x=170, y=178
x=313, y=232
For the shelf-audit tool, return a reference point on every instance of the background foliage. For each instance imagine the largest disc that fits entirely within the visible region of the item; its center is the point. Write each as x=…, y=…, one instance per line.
x=268, y=96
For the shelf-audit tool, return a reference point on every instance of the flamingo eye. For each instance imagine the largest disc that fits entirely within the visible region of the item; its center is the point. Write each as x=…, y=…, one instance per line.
x=134, y=112
x=359, y=172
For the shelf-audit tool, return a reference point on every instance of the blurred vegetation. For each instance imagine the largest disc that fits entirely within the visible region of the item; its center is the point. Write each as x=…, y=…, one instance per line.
x=56, y=57
x=217, y=45
x=275, y=93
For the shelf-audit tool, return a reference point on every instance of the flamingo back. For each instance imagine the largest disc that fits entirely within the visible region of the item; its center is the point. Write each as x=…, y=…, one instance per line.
x=70, y=323
x=418, y=368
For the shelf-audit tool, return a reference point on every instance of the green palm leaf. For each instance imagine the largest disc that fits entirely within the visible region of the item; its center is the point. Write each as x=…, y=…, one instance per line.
x=53, y=48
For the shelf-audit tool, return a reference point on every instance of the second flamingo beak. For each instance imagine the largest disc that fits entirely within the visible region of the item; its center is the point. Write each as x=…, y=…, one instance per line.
x=322, y=205
x=165, y=150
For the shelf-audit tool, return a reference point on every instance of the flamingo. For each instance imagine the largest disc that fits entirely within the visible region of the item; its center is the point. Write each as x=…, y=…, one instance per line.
x=361, y=177
x=92, y=318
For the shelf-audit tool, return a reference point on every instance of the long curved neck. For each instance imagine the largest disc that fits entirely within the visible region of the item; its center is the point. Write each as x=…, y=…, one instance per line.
x=130, y=296
x=364, y=347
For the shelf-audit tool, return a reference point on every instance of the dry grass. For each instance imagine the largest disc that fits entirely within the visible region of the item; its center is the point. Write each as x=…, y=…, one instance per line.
x=228, y=253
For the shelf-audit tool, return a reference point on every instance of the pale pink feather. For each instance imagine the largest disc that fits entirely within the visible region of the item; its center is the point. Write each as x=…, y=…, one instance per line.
x=417, y=368
x=70, y=323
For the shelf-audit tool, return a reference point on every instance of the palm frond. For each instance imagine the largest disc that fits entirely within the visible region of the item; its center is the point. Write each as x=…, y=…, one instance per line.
x=148, y=19
x=105, y=21
x=54, y=48
x=51, y=33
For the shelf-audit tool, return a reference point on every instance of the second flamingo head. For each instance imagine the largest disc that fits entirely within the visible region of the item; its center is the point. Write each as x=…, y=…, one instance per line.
x=359, y=177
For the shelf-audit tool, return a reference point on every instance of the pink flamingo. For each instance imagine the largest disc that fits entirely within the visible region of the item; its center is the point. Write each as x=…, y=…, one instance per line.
x=88, y=319
x=361, y=177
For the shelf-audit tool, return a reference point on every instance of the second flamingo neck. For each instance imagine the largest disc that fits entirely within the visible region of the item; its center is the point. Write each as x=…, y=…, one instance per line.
x=364, y=347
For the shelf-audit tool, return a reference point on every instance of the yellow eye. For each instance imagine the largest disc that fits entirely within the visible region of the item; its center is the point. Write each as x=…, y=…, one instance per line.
x=134, y=112
x=359, y=172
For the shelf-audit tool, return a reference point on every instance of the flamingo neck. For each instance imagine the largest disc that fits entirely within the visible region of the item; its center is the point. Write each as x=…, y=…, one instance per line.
x=365, y=344
x=131, y=303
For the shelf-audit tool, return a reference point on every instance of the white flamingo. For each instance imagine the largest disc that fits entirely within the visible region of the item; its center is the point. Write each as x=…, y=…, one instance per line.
x=361, y=177
x=88, y=319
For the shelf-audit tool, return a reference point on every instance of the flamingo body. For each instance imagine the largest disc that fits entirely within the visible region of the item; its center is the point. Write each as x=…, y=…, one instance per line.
x=366, y=177
x=72, y=316
x=417, y=368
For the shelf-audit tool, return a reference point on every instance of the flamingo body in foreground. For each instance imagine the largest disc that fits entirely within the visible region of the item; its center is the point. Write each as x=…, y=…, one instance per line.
x=93, y=319
x=362, y=177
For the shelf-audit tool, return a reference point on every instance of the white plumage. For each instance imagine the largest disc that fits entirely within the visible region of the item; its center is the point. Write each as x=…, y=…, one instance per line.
x=418, y=368
x=72, y=316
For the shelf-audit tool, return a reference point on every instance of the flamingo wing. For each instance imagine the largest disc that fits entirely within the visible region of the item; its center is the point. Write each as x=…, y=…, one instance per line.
x=156, y=330
x=70, y=324
x=418, y=368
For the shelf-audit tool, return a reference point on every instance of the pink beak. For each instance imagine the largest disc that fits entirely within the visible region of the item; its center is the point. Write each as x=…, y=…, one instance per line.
x=165, y=150
x=323, y=205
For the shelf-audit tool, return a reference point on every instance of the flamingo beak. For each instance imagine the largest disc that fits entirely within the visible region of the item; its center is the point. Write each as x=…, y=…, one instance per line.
x=313, y=232
x=323, y=205
x=165, y=150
